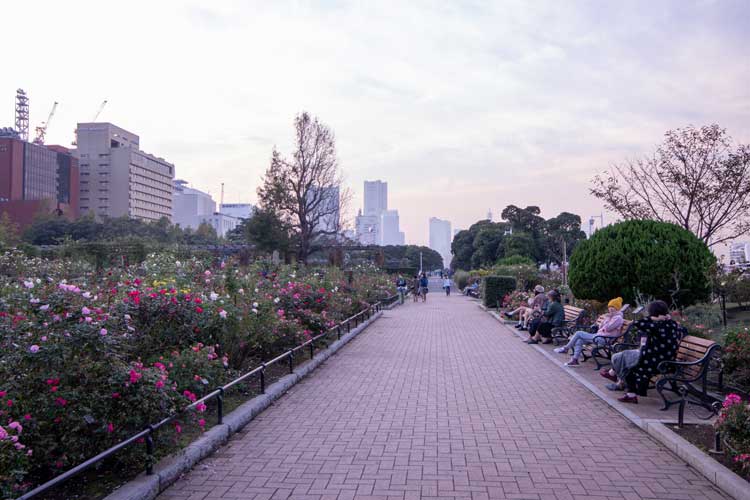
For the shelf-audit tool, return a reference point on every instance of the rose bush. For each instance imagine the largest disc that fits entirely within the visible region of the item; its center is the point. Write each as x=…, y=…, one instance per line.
x=734, y=424
x=89, y=358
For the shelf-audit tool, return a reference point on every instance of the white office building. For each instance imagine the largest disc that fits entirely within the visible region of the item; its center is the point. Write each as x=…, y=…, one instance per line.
x=366, y=229
x=117, y=178
x=376, y=197
x=192, y=207
x=440, y=238
x=739, y=253
x=237, y=210
x=389, y=228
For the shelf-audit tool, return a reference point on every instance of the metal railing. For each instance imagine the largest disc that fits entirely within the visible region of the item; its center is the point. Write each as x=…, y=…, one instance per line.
x=147, y=434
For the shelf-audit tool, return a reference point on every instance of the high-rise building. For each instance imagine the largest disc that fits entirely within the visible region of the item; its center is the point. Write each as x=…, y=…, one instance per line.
x=117, y=178
x=376, y=197
x=192, y=207
x=366, y=229
x=440, y=238
x=389, y=228
x=739, y=252
x=36, y=179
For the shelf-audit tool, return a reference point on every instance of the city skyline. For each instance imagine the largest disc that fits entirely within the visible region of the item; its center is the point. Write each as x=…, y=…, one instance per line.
x=460, y=107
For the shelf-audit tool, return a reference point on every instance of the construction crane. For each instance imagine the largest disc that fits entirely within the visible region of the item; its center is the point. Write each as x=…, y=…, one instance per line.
x=104, y=103
x=41, y=130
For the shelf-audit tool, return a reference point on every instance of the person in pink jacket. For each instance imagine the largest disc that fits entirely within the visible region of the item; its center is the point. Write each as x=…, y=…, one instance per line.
x=609, y=328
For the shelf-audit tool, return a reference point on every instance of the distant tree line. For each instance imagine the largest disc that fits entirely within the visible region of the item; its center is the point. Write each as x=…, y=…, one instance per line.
x=51, y=230
x=523, y=233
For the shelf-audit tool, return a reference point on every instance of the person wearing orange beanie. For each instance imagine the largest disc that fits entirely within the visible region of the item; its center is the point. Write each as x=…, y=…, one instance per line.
x=611, y=328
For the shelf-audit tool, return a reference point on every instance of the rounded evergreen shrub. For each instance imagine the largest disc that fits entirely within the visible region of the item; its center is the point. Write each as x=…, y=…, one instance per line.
x=649, y=257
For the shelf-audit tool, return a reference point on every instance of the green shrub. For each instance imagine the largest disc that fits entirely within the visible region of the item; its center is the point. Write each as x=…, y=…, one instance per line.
x=736, y=357
x=734, y=425
x=654, y=258
x=461, y=278
x=495, y=288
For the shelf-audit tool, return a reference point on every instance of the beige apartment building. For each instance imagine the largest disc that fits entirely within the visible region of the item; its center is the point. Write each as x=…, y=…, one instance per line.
x=119, y=179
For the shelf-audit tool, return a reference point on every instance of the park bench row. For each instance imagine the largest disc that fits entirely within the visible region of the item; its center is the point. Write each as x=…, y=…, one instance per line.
x=681, y=381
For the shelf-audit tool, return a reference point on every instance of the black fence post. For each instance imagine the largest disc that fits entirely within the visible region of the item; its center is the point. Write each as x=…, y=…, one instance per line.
x=150, y=451
x=291, y=361
x=312, y=349
x=338, y=332
x=220, y=406
x=263, y=378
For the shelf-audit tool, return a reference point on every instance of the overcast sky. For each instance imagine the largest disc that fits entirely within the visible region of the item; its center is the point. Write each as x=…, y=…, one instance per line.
x=461, y=106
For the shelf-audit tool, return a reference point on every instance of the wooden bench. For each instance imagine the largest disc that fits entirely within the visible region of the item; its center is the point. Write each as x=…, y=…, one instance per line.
x=687, y=376
x=574, y=317
x=601, y=346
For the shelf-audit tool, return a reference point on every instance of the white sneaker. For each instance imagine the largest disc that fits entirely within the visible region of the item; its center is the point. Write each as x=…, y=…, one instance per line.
x=560, y=350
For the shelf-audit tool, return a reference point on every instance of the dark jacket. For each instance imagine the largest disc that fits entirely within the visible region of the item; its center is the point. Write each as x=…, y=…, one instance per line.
x=662, y=340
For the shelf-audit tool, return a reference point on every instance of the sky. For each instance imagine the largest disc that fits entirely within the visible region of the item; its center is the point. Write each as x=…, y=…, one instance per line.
x=462, y=106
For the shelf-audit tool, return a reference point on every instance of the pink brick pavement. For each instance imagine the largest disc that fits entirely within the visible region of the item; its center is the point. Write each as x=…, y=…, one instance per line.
x=437, y=400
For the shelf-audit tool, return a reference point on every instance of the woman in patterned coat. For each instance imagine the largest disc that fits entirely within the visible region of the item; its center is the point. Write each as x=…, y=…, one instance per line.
x=662, y=338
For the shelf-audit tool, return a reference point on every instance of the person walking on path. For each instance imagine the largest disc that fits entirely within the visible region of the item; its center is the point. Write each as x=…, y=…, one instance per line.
x=423, y=284
x=401, y=287
x=447, y=286
x=610, y=329
x=415, y=288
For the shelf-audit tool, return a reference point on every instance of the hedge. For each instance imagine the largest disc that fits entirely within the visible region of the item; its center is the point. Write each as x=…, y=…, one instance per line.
x=494, y=288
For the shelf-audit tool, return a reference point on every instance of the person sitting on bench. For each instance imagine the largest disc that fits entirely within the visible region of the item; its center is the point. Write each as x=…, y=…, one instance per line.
x=553, y=317
x=634, y=368
x=535, y=304
x=610, y=328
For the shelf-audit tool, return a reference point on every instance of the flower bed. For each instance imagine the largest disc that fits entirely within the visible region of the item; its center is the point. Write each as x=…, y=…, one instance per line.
x=90, y=358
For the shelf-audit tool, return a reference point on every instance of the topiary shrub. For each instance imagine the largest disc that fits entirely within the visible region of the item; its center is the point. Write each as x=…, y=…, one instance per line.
x=642, y=256
x=461, y=278
x=495, y=288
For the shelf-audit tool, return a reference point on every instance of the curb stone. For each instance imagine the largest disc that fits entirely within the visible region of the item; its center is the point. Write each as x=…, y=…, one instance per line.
x=172, y=467
x=726, y=480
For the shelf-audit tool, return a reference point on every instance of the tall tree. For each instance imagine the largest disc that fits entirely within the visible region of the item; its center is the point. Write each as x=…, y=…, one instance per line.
x=563, y=234
x=697, y=179
x=306, y=191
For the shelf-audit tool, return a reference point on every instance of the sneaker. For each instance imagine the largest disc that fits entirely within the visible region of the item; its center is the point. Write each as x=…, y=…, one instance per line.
x=612, y=386
x=628, y=399
x=532, y=341
x=573, y=363
x=523, y=328
x=519, y=325
x=508, y=315
x=560, y=350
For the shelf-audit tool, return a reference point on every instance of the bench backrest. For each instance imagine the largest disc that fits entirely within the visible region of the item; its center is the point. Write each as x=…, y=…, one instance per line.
x=624, y=328
x=572, y=313
x=693, y=349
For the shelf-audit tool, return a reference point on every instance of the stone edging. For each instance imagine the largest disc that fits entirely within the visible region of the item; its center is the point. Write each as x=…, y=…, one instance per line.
x=172, y=467
x=729, y=482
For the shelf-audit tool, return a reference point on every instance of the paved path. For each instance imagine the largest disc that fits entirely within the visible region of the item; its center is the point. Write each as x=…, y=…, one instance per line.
x=438, y=400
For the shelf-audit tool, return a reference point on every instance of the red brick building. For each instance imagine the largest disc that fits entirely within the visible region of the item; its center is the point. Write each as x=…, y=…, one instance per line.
x=37, y=180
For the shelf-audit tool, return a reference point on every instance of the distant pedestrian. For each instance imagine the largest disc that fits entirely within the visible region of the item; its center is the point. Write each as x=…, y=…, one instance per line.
x=423, y=284
x=416, y=288
x=447, y=286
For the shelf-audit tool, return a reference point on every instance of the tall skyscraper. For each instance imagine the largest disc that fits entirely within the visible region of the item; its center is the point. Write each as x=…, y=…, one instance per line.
x=389, y=228
x=117, y=178
x=440, y=238
x=376, y=197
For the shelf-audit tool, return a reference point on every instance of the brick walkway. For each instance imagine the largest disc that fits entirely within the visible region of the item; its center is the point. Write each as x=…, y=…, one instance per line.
x=438, y=400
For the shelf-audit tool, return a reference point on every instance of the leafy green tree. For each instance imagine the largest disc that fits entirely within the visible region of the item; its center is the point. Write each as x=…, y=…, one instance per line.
x=9, y=233
x=563, y=233
x=266, y=231
x=520, y=244
x=653, y=258
x=488, y=246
